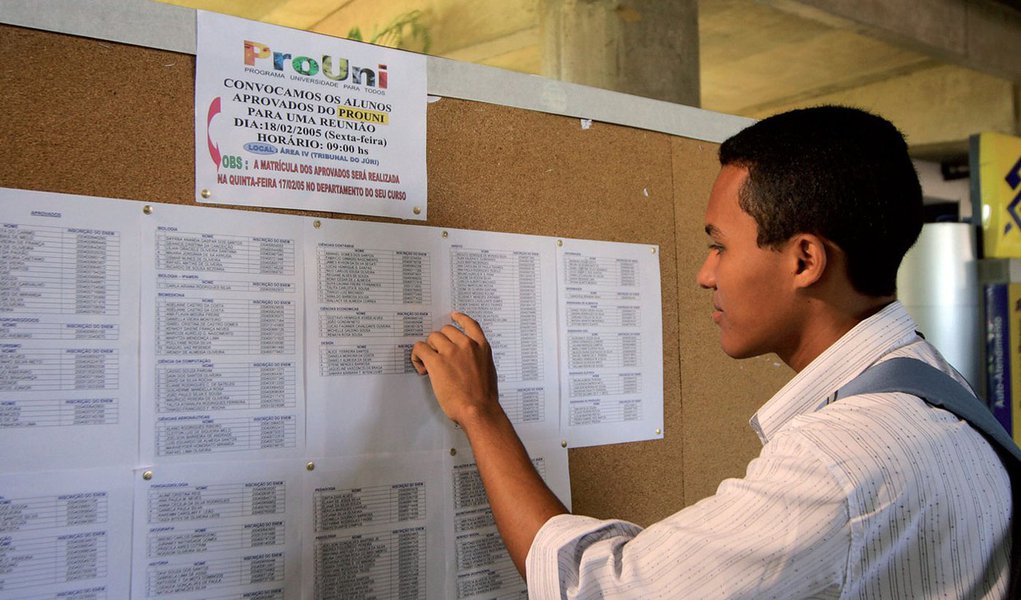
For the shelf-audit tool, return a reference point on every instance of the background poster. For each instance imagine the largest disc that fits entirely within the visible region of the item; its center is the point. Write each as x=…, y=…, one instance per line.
x=293, y=119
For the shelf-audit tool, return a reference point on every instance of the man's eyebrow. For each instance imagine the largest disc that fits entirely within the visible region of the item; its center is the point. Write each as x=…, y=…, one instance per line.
x=712, y=230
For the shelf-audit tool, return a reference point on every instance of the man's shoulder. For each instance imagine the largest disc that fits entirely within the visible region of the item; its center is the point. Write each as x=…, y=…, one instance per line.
x=877, y=439
x=863, y=422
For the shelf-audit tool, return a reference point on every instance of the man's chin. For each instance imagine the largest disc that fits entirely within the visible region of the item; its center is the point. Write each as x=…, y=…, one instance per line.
x=740, y=352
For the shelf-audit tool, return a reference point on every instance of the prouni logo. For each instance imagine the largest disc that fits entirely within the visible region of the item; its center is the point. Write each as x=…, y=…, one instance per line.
x=260, y=56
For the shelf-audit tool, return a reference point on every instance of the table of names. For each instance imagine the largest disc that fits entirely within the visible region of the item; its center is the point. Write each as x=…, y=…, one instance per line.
x=375, y=531
x=45, y=512
x=223, y=253
x=59, y=271
x=359, y=276
x=223, y=531
x=164, y=542
x=30, y=369
x=376, y=505
x=365, y=359
x=351, y=275
x=501, y=289
x=389, y=564
x=64, y=328
x=187, y=385
x=44, y=560
x=166, y=578
x=204, y=434
x=188, y=326
x=187, y=502
x=342, y=322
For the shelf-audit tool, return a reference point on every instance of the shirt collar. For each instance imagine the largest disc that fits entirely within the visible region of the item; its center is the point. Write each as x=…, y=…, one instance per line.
x=856, y=350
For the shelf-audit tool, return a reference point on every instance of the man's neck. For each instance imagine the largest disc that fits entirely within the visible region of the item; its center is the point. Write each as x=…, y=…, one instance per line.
x=828, y=323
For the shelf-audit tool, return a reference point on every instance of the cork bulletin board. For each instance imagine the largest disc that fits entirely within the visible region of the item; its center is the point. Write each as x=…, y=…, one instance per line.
x=103, y=119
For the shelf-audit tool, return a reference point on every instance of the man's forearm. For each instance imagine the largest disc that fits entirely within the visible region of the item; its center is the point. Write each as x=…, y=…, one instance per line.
x=463, y=376
x=520, y=499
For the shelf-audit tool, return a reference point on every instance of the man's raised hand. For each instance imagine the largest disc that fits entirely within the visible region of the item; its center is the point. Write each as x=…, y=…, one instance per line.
x=460, y=366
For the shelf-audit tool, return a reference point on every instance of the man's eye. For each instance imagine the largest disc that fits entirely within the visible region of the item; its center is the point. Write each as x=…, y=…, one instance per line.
x=715, y=248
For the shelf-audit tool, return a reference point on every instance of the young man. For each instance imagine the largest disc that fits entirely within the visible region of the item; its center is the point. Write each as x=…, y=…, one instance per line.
x=874, y=496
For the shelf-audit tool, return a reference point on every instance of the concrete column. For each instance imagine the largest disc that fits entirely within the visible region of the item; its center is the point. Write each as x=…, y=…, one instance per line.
x=643, y=47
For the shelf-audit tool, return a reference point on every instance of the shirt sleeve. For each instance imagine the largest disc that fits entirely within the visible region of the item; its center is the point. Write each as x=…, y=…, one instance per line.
x=780, y=532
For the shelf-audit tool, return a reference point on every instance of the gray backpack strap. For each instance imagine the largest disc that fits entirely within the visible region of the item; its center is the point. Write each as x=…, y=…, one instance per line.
x=920, y=379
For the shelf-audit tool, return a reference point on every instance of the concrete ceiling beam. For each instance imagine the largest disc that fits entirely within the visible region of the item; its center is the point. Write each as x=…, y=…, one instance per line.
x=978, y=34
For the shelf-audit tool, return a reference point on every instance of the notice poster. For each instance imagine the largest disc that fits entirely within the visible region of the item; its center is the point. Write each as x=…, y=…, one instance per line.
x=221, y=360
x=373, y=527
x=65, y=534
x=217, y=531
x=292, y=119
x=611, y=343
x=371, y=293
x=68, y=332
x=482, y=566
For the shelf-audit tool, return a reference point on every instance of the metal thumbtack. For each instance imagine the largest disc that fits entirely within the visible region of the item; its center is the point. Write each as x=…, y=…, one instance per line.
x=310, y=466
x=563, y=443
x=453, y=451
x=317, y=223
x=560, y=242
x=659, y=431
x=206, y=193
x=147, y=475
x=417, y=210
x=444, y=234
x=147, y=210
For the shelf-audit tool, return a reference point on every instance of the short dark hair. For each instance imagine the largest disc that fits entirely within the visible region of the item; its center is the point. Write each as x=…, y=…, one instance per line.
x=837, y=172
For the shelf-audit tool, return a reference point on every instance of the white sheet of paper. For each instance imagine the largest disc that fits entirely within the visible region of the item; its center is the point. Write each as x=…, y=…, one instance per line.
x=229, y=530
x=222, y=357
x=65, y=534
x=295, y=119
x=374, y=527
x=372, y=291
x=507, y=283
x=482, y=568
x=68, y=331
x=611, y=342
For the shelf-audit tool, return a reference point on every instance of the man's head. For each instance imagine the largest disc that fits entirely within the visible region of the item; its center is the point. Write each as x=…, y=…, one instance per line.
x=808, y=221
x=840, y=173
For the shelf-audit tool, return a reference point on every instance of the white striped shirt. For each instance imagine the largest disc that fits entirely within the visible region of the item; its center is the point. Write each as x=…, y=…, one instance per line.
x=874, y=496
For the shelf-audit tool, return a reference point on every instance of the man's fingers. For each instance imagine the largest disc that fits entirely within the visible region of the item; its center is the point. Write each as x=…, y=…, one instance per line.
x=455, y=335
x=446, y=341
x=421, y=353
x=439, y=341
x=470, y=326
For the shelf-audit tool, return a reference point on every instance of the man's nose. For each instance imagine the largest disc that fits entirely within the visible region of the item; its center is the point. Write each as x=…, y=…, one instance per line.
x=706, y=277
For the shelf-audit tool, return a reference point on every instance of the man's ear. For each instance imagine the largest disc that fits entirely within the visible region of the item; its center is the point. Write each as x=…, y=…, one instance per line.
x=810, y=255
